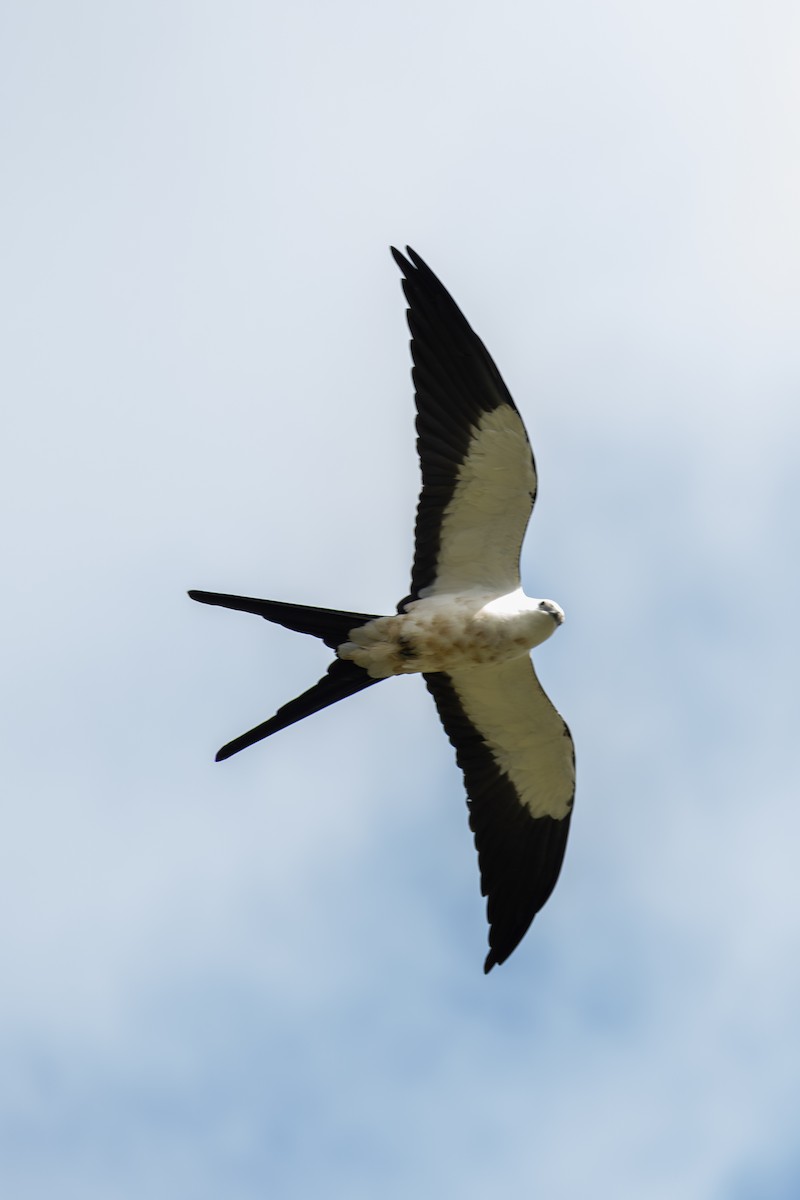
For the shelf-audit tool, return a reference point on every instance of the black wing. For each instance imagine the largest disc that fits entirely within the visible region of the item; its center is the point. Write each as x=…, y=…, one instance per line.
x=519, y=769
x=478, y=472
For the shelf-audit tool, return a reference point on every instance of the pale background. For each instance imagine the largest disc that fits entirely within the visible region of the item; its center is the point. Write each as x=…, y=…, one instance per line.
x=263, y=978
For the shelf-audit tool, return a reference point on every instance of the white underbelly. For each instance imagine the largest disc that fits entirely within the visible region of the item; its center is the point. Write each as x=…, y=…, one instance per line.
x=435, y=637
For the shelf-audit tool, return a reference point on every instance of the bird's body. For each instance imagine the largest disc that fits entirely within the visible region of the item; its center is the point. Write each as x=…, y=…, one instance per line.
x=451, y=632
x=466, y=625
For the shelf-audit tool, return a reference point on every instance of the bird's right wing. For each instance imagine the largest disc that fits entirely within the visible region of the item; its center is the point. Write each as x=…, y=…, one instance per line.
x=478, y=472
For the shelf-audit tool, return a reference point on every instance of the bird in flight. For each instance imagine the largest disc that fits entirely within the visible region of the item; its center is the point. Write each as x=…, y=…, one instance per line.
x=466, y=625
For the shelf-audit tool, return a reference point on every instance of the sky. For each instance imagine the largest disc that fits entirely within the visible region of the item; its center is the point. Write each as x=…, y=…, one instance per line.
x=264, y=977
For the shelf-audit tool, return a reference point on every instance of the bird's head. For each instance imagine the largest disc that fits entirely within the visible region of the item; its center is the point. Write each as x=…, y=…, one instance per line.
x=548, y=617
x=552, y=610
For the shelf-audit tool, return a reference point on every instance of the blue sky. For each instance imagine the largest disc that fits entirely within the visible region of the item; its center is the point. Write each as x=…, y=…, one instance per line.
x=264, y=977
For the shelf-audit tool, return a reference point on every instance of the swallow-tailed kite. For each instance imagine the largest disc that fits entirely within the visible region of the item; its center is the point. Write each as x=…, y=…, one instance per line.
x=466, y=625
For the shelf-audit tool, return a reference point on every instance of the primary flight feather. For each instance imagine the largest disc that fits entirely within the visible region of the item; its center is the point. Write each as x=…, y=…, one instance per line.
x=466, y=624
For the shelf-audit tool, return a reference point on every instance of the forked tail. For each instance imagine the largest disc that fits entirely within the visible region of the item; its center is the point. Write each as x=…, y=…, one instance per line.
x=332, y=626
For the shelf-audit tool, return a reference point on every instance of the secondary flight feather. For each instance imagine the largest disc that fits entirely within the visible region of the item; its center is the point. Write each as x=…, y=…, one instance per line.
x=466, y=624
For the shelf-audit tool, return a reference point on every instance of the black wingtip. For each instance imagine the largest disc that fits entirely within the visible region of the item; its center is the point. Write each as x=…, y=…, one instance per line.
x=407, y=265
x=401, y=260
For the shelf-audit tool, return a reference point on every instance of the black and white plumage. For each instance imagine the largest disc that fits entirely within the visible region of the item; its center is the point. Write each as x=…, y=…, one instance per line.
x=466, y=625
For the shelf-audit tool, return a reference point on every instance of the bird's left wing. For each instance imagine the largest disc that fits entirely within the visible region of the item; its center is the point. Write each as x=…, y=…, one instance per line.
x=478, y=473
x=518, y=760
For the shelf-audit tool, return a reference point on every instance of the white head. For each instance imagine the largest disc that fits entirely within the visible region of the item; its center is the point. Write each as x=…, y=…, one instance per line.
x=553, y=610
x=543, y=619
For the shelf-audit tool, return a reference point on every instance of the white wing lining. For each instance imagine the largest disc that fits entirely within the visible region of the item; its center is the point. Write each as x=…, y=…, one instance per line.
x=526, y=736
x=485, y=520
